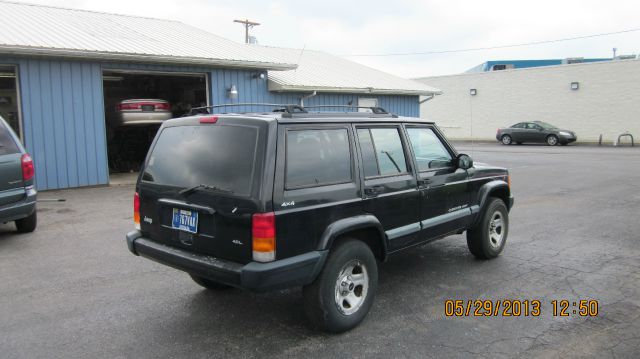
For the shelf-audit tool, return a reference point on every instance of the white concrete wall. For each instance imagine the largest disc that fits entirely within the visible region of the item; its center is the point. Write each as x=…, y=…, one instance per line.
x=607, y=102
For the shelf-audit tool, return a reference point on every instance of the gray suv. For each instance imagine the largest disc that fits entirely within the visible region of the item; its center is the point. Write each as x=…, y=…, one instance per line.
x=17, y=191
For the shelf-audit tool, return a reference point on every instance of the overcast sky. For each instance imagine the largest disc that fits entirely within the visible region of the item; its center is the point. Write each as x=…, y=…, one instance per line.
x=398, y=26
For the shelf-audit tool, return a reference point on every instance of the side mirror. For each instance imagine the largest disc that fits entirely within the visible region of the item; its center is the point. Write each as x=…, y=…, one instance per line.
x=464, y=161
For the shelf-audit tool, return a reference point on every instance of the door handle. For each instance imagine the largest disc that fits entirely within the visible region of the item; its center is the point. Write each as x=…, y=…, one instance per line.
x=373, y=191
x=423, y=183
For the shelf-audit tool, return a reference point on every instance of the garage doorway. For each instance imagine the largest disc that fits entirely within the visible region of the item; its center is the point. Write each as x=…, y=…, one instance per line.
x=136, y=103
x=9, y=101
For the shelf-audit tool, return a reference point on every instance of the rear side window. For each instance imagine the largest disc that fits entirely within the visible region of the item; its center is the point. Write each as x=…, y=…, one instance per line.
x=7, y=144
x=382, y=152
x=430, y=152
x=218, y=156
x=519, y=125
x=317, y=157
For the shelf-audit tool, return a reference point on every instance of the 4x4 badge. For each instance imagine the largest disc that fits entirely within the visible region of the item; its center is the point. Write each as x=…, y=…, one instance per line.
x=287, y=204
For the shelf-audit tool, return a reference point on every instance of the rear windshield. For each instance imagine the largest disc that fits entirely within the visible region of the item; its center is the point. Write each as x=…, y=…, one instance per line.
x=218, y=156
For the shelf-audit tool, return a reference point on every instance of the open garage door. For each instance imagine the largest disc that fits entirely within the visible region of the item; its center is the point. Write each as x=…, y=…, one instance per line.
x=136, y=104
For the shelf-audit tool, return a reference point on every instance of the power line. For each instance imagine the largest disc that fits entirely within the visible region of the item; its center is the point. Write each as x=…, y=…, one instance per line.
x=495, y=47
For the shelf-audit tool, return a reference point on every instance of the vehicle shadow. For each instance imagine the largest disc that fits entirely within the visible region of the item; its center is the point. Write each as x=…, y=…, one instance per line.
x=408, y=282
x=8, y=232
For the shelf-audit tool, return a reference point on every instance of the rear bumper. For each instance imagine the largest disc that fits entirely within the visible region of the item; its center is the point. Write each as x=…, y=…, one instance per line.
x=259, y=277
x=21, y=209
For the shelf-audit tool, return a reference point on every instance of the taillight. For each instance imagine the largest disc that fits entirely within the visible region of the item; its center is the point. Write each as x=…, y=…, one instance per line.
x=27, y=167
x=128, y=106
x=263, y=228
x=136, y=210
x=163, y=106
x=209, y=119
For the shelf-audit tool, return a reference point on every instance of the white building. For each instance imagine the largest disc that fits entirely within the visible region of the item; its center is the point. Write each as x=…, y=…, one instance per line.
x=590, y=99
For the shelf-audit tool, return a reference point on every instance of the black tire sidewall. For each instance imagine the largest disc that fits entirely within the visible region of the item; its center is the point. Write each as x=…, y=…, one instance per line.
x=493, y=206
x=27, y=224
x=324, y=296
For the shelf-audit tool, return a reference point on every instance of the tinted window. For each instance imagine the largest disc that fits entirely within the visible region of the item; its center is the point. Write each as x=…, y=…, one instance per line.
x=317, y=157
x=519, y=125
x=430, y=152
x=382, y=145
x=220, y=156
x=369, y=160
x=533, y=126
x=7, y=144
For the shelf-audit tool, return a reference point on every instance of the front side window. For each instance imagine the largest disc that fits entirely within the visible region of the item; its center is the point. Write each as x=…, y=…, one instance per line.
x=382, y=152
x=430, y=152
x=317, y=157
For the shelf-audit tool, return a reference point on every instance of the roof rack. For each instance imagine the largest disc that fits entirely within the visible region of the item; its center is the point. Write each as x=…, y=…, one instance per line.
x=290, y=109
x=374, y=109
x=279, y=107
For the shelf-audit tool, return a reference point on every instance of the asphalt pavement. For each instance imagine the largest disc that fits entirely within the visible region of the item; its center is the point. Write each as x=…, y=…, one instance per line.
x=73, y=290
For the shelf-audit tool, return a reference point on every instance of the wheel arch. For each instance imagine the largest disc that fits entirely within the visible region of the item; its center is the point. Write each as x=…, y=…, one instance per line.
x=496, y=188
x=366, y=228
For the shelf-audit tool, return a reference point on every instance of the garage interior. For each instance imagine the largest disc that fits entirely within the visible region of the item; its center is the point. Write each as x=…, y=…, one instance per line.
x=9, y=97
x=127, y=145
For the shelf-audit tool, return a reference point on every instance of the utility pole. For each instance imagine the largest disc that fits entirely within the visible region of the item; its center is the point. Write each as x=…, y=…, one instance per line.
x=247, y=25
x=615, y=49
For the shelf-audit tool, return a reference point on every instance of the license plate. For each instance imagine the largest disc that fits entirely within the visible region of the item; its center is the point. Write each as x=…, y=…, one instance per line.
x=185, y=220
x=148, y=108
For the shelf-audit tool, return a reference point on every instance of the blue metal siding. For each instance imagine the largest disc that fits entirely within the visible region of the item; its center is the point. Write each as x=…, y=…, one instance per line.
x=62, y=112
x=63, y=121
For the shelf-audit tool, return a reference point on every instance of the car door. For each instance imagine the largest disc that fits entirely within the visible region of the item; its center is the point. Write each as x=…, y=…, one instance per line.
x=444, y=192
x=537, y=133
x=389, y=185
x=529, y=133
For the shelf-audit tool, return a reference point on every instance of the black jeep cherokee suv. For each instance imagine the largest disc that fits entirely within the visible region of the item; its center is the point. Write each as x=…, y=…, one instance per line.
x=276, y=200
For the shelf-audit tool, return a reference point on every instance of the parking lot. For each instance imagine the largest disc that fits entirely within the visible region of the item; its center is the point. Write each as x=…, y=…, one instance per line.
x=72, y=289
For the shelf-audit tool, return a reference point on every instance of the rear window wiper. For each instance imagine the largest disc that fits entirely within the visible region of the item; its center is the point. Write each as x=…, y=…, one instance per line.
x=188, y=191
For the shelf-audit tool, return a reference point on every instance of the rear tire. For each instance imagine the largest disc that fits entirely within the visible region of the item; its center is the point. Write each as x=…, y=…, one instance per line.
x=342, y=294
x=27, y=224
x=488, y=238
x=552, y=140
x=506, y=139
x=209, y=284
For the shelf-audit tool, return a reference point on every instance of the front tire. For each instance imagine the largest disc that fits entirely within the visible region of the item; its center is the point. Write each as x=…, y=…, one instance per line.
x=342, y=295
x=506, y=139
x=27, y=224
x=488, y=238
x=209, y=284
x=552, y=140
